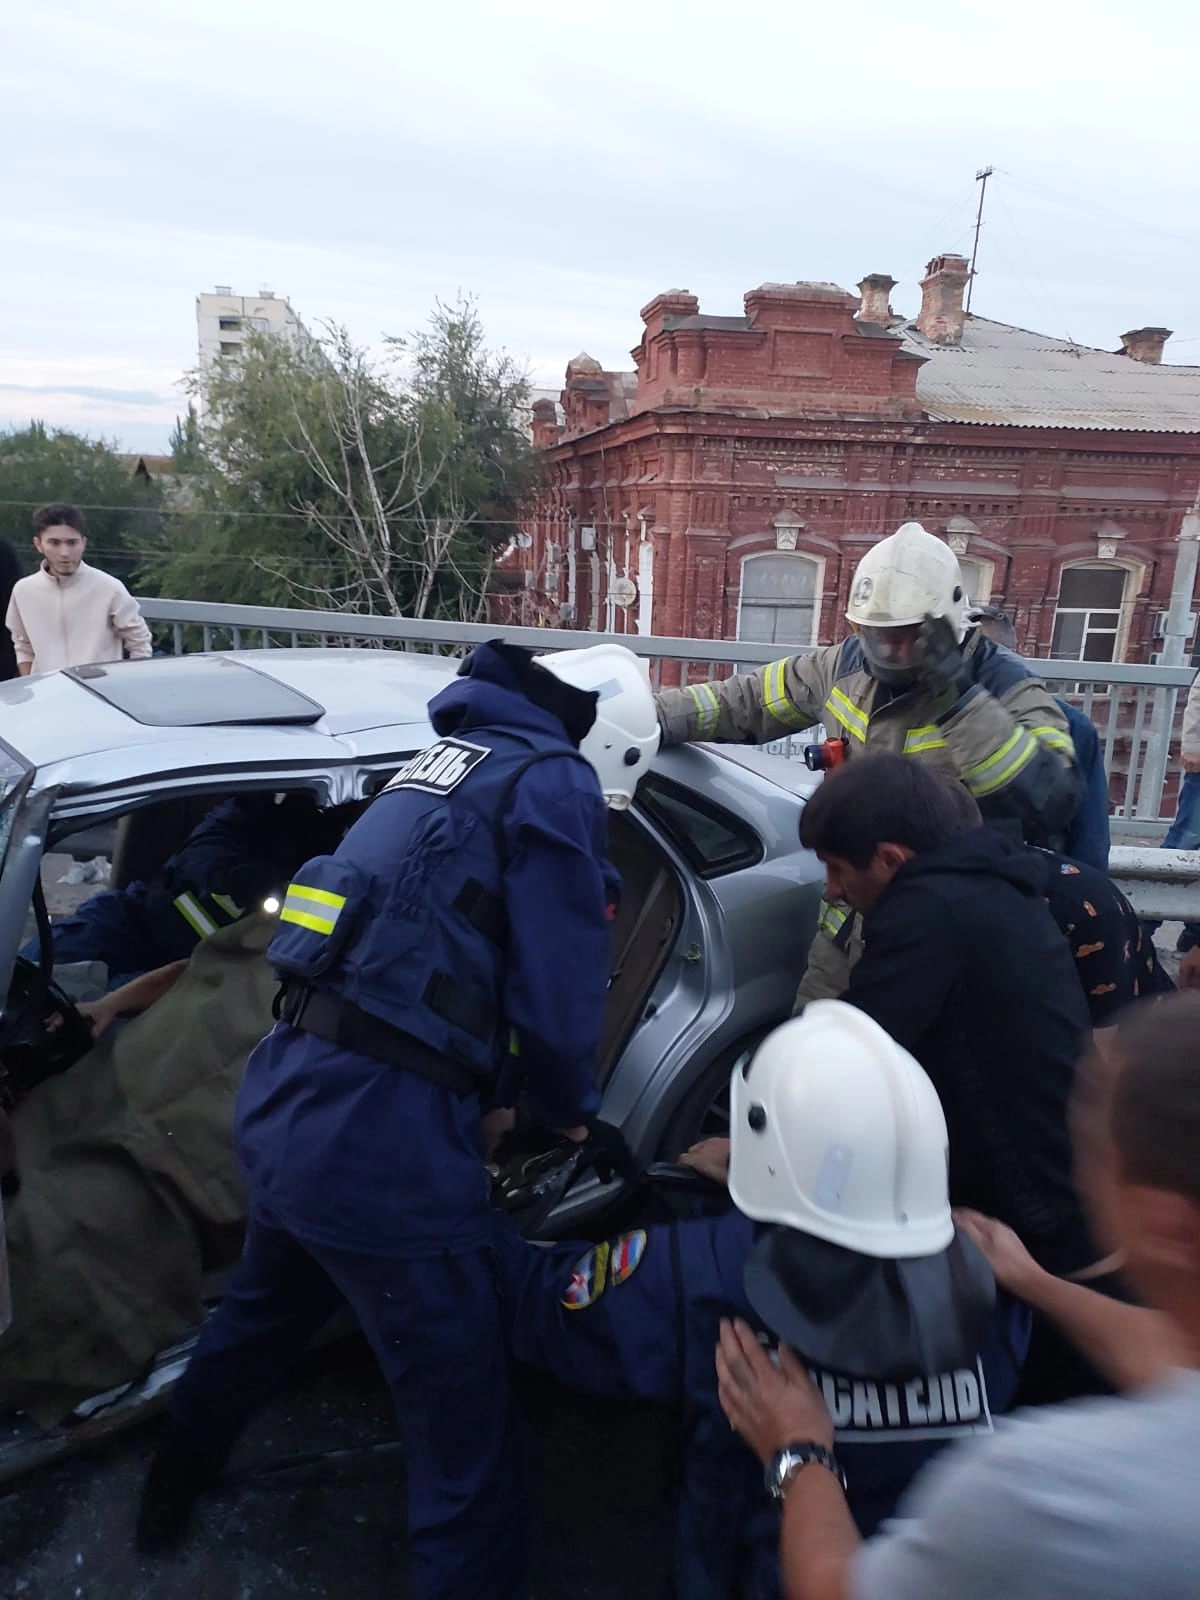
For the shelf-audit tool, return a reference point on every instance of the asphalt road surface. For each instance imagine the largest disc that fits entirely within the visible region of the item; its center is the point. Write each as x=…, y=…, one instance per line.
x=600, y=1484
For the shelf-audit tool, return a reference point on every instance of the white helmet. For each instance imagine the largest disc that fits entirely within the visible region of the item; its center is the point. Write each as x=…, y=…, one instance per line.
x=837, y=1132
x=903, y=579
x=624, y=737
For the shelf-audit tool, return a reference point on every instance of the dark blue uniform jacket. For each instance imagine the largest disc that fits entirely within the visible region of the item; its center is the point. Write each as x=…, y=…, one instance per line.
x=639, y=1316
x=347, y=1151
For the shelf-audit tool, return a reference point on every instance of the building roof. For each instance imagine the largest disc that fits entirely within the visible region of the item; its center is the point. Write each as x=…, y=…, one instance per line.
x=1001, y=374
x=148, y=466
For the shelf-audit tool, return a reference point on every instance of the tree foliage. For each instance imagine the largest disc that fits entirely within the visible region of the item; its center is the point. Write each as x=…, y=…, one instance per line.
x=318, y=476
x=40, y=464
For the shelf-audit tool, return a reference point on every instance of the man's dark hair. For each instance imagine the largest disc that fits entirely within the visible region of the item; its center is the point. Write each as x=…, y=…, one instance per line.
x=994, y=624
x=879, y=799
x=1155, y=1107
x=58, y=515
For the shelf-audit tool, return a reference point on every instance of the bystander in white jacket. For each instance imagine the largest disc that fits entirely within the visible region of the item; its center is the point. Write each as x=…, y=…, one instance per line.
x=70, y=621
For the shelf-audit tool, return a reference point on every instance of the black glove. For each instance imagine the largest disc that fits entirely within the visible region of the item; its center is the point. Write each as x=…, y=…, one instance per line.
x=941, y=670
x=610, y=1154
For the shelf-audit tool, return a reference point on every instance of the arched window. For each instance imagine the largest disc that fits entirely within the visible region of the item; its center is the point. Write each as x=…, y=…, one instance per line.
x=780, y=597
x=977, y=579
x=1090, y=615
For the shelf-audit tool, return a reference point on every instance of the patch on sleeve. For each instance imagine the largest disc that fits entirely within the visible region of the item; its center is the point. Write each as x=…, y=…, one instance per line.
x=588, y=1280
x=625, y=1257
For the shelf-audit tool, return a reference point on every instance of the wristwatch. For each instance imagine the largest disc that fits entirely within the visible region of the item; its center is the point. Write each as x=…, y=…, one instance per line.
x=786, y=1463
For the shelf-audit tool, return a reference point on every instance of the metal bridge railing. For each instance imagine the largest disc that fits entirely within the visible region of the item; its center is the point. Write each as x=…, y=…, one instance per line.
x=1134, y=708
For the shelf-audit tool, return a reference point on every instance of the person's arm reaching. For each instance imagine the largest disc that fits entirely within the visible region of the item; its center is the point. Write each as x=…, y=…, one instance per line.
x=772, y=1407
x=559, y=944
x=750, y=707
x=1007, y=734
x=1130, y=1345
x=132, y=998
x=130, y=626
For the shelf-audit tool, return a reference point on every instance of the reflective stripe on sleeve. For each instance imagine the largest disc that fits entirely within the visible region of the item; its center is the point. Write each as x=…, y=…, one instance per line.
x=194, y=914
x=315, y=909
x=1002, y=767
x=776, y=699
x=708, y=708
x=1055, y=739
x=832, y=919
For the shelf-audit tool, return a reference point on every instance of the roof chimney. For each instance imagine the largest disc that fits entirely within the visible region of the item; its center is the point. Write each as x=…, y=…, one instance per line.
x=875, y=289
x=1145, y=344
x=544, y=424
x=942, y=289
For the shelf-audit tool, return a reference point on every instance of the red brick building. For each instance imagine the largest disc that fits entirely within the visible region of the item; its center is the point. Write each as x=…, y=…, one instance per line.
x=727, y=486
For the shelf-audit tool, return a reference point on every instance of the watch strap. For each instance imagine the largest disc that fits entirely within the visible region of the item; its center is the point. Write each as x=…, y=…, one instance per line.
x=785, y=1463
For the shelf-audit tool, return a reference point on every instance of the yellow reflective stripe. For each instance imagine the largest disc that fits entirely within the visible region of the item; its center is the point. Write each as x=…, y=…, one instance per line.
x=194, y=914
x=228, y=906
x=927, y=738
x=1055, y=739
x=832, y=919
x=851, y=717
x=304, y=907
x=306, y=919
x=1002, y=767
x=708, y=708
x=316, y=897
x=776, y=699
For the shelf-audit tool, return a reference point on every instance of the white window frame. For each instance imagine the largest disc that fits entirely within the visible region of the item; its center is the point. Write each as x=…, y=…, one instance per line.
x=816, y=562
x=1134, y=572
x=987, y=575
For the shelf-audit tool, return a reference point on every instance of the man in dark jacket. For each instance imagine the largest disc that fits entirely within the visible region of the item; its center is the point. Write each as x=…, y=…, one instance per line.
x=468, y=905
x=965, y=966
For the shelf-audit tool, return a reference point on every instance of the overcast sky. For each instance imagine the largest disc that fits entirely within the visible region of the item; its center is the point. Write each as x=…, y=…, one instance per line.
x=565, y=163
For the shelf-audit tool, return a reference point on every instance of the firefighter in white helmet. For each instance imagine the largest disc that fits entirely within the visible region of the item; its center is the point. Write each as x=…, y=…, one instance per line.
x=840, y=1244
x=912, y=678
x=622, y=741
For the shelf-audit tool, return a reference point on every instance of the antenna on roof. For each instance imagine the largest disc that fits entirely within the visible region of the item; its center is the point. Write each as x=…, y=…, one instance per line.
x=981, y=178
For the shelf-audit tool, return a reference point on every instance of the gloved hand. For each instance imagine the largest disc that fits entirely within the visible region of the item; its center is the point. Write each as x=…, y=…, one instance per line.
x=941, y=669
x=610, y=1153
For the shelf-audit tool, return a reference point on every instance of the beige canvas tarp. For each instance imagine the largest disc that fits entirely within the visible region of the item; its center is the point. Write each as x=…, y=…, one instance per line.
x=129, y=1187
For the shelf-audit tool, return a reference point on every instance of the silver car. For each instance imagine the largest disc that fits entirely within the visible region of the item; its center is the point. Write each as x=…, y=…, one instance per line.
x=719, y=903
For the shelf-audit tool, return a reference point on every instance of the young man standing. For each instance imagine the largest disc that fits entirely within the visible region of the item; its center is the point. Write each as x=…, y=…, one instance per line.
x=67, y=614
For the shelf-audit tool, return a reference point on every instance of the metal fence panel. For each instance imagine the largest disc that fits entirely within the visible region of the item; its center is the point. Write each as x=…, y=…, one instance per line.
x=1134, y=708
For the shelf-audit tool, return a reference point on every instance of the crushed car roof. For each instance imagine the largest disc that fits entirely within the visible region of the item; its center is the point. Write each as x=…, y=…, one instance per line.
x=326, y=704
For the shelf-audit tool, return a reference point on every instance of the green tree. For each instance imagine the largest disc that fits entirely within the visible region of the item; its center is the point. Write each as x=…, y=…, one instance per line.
x=187, y=445
x=40, y=464
x=320, y=477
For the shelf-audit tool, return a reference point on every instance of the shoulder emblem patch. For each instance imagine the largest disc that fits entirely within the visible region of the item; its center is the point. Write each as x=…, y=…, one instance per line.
x=440, y=768
x=588, y=1280
x=625, y=1257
